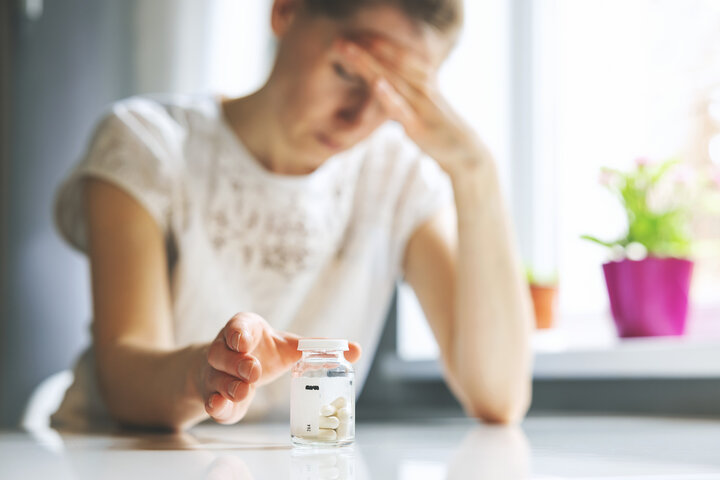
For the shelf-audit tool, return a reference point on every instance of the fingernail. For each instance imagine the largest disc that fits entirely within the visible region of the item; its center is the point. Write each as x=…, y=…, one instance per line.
x=235, y=341
x=245, y=369
x=233, y=388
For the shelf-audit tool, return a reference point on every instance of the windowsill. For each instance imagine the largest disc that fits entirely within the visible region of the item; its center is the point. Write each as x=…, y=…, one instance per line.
x=590, y=349
x=659, y=357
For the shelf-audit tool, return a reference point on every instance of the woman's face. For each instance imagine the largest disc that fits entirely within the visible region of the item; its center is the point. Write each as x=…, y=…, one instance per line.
x=323, y=105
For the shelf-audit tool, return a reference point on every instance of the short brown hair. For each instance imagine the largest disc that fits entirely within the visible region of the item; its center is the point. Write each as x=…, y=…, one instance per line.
x=443, y=15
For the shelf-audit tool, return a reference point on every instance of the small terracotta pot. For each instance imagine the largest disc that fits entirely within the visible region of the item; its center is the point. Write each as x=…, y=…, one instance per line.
x=544, y=299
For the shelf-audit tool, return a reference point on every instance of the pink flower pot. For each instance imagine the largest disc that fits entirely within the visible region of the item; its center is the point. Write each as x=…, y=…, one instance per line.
x=649, y=297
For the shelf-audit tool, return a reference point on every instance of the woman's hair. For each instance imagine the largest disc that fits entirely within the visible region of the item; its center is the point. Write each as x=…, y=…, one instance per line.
x=443, y=15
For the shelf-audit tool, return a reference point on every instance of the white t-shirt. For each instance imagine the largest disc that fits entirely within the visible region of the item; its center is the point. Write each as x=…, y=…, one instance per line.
x=316, y=254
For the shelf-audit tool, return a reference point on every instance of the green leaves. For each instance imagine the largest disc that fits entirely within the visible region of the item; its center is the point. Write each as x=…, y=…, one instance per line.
x=663, y=230
x=602, y=242
x=545, y=279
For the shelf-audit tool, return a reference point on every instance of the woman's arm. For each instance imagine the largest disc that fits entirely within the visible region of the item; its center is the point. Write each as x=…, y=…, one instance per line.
x=491, y=339
x=467, y=276
x=143, y=379
x=472, y=288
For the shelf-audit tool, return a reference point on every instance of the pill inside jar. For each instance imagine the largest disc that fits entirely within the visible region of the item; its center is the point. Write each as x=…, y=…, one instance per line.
x=322, y=394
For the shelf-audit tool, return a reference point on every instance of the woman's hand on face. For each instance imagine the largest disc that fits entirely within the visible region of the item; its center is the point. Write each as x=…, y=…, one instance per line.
x=406, y=88
x=246, y=354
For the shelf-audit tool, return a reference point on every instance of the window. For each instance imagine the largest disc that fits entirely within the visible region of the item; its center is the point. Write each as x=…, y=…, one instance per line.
x=213, y=46
x=589, y=83
x=630, y=80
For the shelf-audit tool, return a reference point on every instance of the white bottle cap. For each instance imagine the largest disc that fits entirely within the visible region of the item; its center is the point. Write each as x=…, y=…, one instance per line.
x=322, y=344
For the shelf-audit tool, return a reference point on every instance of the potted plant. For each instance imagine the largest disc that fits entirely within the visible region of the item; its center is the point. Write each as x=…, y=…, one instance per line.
x=648, y=278
x=544, y=294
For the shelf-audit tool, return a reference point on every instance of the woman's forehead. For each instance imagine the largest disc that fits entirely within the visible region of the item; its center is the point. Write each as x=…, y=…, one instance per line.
x=387, y=24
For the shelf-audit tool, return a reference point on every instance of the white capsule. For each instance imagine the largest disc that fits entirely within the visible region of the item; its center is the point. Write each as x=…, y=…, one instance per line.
x=327, y=410
x=343, y=430
x=327, y=434
x=343, y=413
x=339, y=402
x=328, y=422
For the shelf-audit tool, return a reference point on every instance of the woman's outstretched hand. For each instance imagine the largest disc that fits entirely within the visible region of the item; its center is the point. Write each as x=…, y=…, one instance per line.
x=246, y=354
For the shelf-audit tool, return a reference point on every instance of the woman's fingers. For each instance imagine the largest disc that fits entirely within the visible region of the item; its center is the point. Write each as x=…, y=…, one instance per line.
x=243, y=332
x=230, y=387
x=217, y=406
x=394, y=105
x=222, y=394
x=404, y=102
x=407, y=64
x=241, y=365
x=374, y=70
x=226, y=398
x=286, y=345
x=392, y=102
x=224, y=411
x=353, y=355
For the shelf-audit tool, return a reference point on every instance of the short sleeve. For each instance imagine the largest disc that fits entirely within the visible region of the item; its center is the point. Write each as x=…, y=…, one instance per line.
x=134, y=147
x=425, y=190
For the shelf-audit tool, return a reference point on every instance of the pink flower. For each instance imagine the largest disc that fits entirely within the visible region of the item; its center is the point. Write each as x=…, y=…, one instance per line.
x=684, y=175
x=607, y=177
x=641, y=162
x=715, y=177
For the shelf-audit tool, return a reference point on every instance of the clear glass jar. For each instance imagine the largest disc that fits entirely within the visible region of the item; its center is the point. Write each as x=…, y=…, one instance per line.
x=322, y=394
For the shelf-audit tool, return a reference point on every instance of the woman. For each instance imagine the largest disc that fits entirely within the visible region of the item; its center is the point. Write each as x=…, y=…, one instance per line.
x=298, y=206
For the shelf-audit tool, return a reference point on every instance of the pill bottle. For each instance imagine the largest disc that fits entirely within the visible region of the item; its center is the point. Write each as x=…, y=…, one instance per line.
x=322, y=394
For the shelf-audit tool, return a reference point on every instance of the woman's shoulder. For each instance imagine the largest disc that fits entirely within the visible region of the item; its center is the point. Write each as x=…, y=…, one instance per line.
x=160, y=124
x=161, y=113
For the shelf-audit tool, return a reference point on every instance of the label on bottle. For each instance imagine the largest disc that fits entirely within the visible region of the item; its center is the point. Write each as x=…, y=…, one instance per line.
x=308, y=395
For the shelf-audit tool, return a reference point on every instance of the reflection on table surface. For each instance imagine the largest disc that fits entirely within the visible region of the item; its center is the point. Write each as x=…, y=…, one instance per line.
x=553, y=447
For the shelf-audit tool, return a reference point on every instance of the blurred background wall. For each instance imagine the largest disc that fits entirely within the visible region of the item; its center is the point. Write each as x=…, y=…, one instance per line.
x=63, y=63
x=69, y=58
x=4, y=160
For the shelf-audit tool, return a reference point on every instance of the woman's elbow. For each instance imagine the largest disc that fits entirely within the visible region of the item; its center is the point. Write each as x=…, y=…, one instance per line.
x=507, y=417
x=499, y=415
x=511, y=412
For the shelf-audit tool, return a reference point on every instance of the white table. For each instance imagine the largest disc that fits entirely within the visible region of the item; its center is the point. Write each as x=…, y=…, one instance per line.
x=553, y=447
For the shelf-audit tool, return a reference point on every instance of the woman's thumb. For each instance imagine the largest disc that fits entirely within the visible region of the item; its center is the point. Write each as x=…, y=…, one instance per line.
x=287, y=346
x=354, y=352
